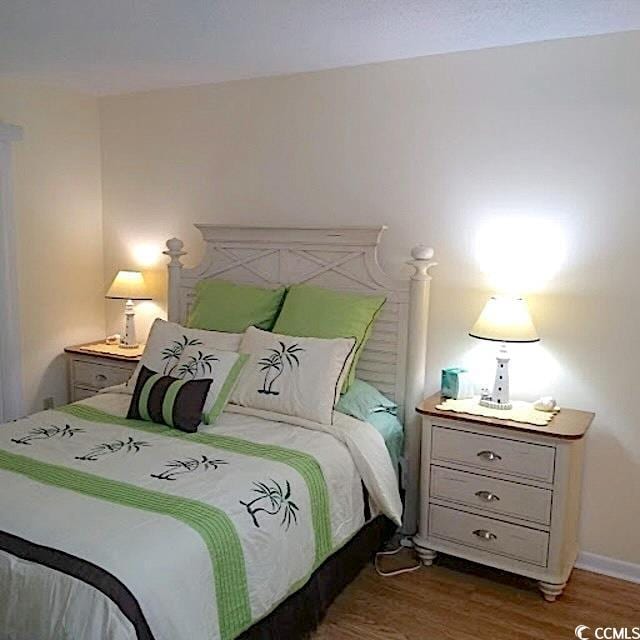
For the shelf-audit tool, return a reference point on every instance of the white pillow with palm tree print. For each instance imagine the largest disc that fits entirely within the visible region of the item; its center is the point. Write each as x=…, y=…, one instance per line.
x=295, y=376
x=168, y=340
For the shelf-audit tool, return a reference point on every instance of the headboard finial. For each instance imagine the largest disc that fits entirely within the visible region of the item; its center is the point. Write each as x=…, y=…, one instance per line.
x=422, y=262
x=422, y=252
x=175, y=252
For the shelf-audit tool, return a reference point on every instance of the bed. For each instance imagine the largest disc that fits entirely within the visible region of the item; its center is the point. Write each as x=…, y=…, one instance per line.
x=115, y=528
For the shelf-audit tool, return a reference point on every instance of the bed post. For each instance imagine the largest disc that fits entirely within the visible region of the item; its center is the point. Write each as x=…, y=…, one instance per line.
x=415, y=382
x=175, y=252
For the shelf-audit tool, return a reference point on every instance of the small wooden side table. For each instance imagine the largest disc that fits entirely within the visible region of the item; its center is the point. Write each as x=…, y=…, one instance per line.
x=502, y=493
x=96, y=365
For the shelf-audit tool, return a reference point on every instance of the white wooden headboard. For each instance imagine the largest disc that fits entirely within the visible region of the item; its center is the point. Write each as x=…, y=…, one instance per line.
x=340, y=258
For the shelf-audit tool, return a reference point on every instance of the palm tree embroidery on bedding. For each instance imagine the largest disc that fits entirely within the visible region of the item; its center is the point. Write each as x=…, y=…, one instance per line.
x=196, y=364
x=109, y=448
x=171, y=354
x=44, y=433
x=176, y=468
x=271, y=501
x=275, y=364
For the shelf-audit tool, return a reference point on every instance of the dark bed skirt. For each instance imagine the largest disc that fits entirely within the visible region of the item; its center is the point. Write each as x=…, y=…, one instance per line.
x=302, y=611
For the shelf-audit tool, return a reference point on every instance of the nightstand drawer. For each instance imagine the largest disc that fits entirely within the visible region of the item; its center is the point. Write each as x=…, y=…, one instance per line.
x=493, y=453
x=94, y=375
x=492, y=536
x=491, y=494
x=80, y=393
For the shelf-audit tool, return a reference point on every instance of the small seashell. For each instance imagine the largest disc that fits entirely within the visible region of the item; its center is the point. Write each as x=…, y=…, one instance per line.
x=546, y=403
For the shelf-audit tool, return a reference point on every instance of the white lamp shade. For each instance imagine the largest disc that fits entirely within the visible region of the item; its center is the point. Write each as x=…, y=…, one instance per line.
x=505, y=319
x=128, y=285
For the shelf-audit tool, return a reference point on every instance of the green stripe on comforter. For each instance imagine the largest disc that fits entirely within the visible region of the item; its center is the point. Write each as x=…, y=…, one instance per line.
x=306, y=465
x=212, y=524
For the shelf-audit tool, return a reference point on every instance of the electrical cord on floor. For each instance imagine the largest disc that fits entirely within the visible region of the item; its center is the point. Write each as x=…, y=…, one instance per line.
x=402, y=543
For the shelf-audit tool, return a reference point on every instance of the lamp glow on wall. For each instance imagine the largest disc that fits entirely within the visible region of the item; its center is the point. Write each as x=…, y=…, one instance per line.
x=503, y=319
x=129, y=286
x=520, y=253
x=146, y=255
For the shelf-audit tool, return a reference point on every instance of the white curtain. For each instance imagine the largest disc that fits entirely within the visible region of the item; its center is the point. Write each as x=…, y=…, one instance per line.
x=11, y=402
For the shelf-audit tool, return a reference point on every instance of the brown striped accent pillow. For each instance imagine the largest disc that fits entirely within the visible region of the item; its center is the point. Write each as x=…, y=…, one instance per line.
x=167, y=400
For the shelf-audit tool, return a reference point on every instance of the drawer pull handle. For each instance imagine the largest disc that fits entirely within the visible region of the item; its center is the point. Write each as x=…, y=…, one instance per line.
x=487, y=496
x=484, y=534
x=100, y=377
x=489, y=455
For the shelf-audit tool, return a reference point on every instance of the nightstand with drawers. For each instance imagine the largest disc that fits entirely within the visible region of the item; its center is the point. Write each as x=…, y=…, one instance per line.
x=502, y=493
x=94, y=366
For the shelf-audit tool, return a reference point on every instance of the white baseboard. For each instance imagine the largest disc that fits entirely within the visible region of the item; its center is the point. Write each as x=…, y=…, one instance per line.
x=608, y=566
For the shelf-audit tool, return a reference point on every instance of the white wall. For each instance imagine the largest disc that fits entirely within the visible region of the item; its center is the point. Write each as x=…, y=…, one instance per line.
x=437, y=148
x=59, y=223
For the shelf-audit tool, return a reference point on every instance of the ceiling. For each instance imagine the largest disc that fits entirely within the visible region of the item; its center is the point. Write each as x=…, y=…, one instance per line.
x=115, y=46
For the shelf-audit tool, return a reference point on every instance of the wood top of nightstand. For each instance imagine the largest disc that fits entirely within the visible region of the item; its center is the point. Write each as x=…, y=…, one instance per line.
x=567, y=423
x=123, y=355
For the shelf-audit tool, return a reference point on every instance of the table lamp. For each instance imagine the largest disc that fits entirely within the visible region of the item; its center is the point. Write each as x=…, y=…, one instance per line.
x=503, y=319
x=129, y=286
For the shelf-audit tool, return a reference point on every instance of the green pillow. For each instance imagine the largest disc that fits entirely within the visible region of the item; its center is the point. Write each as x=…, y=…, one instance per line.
x=366, y=403
x=225, y=306
x=363, y=399
x=313, y=312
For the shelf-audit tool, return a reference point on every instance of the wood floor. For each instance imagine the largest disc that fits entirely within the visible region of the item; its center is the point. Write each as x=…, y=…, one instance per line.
x=463, y=601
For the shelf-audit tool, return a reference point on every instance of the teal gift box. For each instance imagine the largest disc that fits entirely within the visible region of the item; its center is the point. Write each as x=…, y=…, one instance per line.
x=455, y=383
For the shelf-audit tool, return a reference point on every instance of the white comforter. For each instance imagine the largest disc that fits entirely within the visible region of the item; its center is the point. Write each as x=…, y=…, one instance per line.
x=79, y=520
